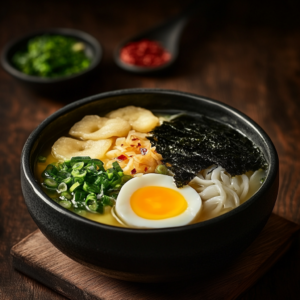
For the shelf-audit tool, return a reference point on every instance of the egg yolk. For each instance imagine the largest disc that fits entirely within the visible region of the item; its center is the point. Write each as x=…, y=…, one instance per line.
x=157, y=203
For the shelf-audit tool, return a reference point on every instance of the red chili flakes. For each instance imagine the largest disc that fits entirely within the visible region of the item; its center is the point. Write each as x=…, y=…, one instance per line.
x=144, y=53
x=122, y=157
x=145, y=169
x=143, y=151
x=134, y=139
x=133, y=171
x=139, y=145
x=122, y=144
x=131, y=145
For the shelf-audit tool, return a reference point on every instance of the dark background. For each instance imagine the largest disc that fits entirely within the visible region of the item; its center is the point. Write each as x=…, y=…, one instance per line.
x=243, y=53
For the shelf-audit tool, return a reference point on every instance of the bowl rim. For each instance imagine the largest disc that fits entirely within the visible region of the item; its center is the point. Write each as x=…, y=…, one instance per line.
x=9, y=68
x=25, y=161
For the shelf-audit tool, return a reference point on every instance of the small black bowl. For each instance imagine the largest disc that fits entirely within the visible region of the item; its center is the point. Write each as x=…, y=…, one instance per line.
x=149, y=255
x=93, y=50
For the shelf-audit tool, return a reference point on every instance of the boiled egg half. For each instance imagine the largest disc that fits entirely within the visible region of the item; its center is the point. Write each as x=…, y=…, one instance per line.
x=154, y=201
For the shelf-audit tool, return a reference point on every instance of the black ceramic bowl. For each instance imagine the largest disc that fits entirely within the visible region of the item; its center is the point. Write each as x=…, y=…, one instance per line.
x=93, y=50
x=149, y=254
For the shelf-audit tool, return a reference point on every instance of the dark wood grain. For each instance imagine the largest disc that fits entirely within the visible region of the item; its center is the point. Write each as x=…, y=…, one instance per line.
x=36, y=257
x=243, y=53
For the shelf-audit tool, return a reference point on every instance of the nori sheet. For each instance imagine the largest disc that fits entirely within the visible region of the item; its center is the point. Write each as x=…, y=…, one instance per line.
x=189, y=144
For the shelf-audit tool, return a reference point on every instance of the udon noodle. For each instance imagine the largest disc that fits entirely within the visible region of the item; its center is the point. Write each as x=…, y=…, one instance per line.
x=220, y=192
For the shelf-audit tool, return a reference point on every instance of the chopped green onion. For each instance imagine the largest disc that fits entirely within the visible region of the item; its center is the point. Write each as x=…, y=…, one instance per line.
x=100, y=208
x=91, y=168
x=161, y=169
x=91, y=202
x=79, y=196
x=262, y=180
x=42, y=159
x=78, y=166
x=106, y=200
x=50, y=171
x=91, y=196
x=50, y=183
x=114, y=183
x=63, y=174
x=99, y=164
x=93, y=207
x=110, y=175
x=64, y=167
x=78, y=179
x=49, y=190
x=62, y=187
x=105, y=184
x=84, y=184
x=114, y=195
x=91, y=188
x=98, y=181
x=84, y=159
x=67, y=162
x=65, y=203
x=68, y=180
x=74, y=187
x=125, y=178
x=117, y=167
x=67, y=195
x=78, y=173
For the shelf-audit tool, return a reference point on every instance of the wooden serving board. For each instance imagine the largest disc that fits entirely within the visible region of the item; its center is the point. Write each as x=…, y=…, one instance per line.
x=36, y=257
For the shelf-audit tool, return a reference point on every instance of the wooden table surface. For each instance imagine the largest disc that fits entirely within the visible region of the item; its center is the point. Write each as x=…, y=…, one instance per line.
x=246, y=55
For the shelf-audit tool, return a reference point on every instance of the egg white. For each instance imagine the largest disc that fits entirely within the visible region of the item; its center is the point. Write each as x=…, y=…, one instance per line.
x=128, y=216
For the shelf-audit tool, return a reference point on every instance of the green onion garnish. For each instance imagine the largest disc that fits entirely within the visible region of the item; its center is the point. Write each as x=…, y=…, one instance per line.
x=125, y=178
x=68, y=180
x=50, y=183
x=78, y=173
x=78, y=166
x=67, y=195
x=82, y=183
x=74, y=186
x=161, y=169
x=42, y=159
x=91, y=188
x=262, y=180
x=62, y=187
x=65, y=204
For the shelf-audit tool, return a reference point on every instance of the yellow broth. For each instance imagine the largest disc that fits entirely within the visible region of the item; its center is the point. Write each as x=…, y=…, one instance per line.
x=109, y=219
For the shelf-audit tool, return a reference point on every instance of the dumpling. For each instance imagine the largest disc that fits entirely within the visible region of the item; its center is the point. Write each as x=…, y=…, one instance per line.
x=95, y=128
x=140, y=119
x=65, y=148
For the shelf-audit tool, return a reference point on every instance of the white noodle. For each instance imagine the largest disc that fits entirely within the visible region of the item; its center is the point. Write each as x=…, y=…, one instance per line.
x=219, y=191
x=245, y=185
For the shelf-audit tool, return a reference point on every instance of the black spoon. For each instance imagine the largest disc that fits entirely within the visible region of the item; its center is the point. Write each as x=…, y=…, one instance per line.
x=167, y=34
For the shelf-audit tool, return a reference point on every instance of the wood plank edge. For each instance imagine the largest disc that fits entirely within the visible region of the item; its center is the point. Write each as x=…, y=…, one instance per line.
x=23, y=241
x=51, y=281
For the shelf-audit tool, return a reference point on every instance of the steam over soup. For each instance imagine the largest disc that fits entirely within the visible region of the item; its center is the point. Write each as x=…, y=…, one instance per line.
x=133, y=169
